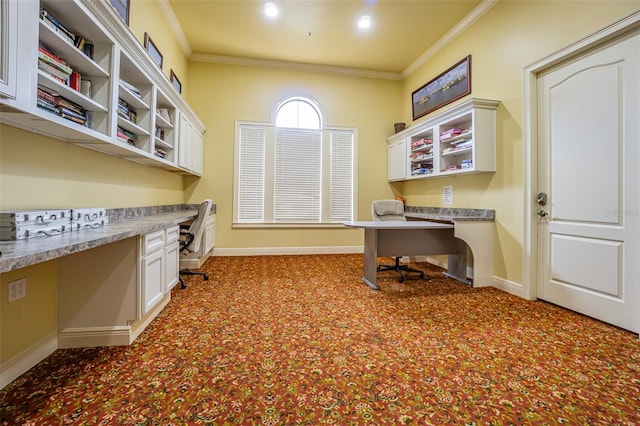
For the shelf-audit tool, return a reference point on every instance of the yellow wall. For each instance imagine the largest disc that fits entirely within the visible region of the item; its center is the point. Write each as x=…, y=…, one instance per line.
x=33, y=318
x=228, y=93
x=509, y=37
x=39, y=172
x=147, y=16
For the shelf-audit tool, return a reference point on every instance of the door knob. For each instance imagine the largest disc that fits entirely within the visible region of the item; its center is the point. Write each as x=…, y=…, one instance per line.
x=542, y=213
x=542, y=198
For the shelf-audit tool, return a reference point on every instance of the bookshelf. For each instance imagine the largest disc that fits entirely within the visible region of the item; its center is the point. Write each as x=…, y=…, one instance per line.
x=88, y=81
x=165, y=134
x=460, y=140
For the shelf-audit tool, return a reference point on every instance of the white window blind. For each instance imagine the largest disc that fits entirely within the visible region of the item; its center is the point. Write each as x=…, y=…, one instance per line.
x=341, y=185
x=297, y=175
x=294, y=174
x=251, y=179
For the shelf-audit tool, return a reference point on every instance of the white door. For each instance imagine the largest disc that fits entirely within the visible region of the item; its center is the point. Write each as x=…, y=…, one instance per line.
x=588, y=161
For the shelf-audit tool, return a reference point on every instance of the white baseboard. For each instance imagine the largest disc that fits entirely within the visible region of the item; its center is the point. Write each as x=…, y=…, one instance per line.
x=27, y=359
x=270, y=251
x=508, y=286
x=90, y=337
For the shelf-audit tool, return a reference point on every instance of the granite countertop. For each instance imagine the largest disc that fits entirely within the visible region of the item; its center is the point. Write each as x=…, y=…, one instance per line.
x=123, y=223
x=449, y=214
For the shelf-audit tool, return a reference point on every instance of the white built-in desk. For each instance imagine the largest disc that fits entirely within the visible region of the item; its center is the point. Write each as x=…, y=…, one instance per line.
x=438, y=231
x=104, y=274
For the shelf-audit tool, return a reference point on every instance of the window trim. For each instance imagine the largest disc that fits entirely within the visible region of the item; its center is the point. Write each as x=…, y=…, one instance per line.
x=235, y=224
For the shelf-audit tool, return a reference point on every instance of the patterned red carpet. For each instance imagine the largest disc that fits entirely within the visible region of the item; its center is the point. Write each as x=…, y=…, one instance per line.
x=289, y=340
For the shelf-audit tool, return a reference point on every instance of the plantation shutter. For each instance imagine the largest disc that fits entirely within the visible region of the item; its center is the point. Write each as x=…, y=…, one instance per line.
x=297, y=175
x=341, y=179
x=251, y=178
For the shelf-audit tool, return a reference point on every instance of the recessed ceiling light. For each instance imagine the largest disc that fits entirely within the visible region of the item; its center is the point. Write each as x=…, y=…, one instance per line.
x=364, y=22
x=271, y=10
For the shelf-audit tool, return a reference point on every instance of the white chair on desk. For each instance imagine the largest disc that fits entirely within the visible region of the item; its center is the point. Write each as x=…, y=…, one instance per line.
x=191, y=238
x=391, y=210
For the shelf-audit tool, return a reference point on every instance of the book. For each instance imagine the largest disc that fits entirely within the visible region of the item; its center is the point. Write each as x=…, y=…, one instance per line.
x=54, y=72
x=59, y=65
x=47, y=95
x=85, y=88
x=49, y=53
x=47, y=16
x=131, y=88
x=75, y=80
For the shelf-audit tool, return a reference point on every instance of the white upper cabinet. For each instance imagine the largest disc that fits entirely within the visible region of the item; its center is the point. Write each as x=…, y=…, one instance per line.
x=8, y=47
x=460, y=140
x=77, y=73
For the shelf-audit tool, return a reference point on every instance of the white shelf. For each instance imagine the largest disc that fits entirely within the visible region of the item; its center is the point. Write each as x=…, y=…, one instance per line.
x=72, y=55
x=474, y=118
x=67, y=92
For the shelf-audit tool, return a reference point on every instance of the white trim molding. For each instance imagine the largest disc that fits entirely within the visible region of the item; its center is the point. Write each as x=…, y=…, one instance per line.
x=530, y=260
x=272, y=251
x=27, y=359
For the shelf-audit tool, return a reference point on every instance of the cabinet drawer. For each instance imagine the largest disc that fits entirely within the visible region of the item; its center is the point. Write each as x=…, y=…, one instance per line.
x=173, y=234
x=152, y=242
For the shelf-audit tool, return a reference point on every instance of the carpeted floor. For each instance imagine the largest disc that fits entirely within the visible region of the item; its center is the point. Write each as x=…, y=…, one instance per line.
x=289, y=340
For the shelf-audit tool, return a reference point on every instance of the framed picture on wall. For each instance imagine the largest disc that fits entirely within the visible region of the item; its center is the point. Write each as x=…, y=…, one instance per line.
x=153, y=51
x=122, y=8
x=175, y=82
x=452, y=84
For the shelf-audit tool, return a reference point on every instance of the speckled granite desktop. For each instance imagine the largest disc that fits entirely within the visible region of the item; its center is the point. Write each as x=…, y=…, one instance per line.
x=449, y=214
x=123, y=223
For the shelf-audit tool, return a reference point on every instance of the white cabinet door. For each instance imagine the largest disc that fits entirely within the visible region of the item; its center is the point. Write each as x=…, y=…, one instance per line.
x=152, y=280
x=172, y=253
x=8, y=47
x=397, y=160
x=190, y=146
x=210, y=233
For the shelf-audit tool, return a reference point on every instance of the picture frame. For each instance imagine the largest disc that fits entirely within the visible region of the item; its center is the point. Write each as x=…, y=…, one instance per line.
x=175, y=82
x=122, y=9
x=447, y=87
x=153, y=51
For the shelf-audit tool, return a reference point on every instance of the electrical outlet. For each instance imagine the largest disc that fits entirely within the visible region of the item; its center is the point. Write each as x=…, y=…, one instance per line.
x=17, y=289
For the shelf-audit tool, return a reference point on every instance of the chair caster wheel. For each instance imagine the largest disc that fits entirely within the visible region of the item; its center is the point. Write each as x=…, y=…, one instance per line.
x=401, y=279
x=421, y=276
x=206, y=277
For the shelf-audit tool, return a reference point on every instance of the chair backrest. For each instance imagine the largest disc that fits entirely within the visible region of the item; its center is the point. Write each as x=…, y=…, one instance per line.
x=198, y=225
x=387, y=210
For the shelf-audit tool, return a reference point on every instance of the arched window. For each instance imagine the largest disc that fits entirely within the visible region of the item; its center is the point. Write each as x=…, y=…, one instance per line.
x=294, y=171
x=298, y=113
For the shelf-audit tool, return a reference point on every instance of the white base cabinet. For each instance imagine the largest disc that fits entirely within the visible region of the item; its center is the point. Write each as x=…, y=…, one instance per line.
x=196, y=259
x=460, y=140
x=158, y=266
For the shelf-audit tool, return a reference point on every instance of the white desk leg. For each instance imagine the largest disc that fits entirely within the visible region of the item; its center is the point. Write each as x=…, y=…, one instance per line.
x=457, y=263
x=479, y=236
x=370, y=257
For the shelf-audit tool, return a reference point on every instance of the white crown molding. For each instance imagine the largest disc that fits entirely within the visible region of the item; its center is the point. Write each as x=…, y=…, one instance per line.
x=175, y=27
x=449, y=36
x=295, y=66
x=484, y=6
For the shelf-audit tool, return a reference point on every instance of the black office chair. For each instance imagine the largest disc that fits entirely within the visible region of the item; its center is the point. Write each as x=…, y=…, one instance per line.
x=391, y=210
x=191, y=238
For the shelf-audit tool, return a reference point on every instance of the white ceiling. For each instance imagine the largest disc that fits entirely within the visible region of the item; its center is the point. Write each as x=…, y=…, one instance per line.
x=323, y=33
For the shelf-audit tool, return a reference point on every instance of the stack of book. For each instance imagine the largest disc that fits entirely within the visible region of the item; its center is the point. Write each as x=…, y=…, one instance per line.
x=56, y=104
x=160, y=153
x=47, y=101
x=126, y=136
x=52, y=22
x=131, y=88
x=78, y=41
x=125, y=111
x=72, y=111
x=54, y=66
